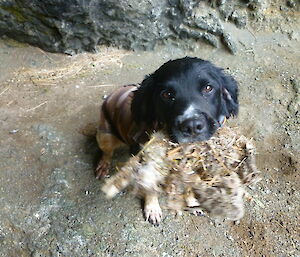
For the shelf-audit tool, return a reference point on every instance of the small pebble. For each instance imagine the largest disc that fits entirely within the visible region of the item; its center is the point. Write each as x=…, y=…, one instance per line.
x=291, y=3
x=14, y=131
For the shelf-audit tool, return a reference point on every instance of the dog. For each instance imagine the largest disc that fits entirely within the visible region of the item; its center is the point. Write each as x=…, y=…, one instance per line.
x=189, y=98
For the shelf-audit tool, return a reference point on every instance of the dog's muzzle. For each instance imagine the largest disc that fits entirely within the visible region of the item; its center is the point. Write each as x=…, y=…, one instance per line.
x=192, y=126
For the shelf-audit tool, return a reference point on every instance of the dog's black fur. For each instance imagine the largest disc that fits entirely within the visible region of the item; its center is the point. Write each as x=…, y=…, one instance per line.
x=190, y=97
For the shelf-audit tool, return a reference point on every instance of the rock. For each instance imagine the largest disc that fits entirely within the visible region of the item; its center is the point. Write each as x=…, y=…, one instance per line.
x=296, y=85
x=226, y=39
x=291, y=3
x=294, y=106
x=72, y=26
x=239, y=19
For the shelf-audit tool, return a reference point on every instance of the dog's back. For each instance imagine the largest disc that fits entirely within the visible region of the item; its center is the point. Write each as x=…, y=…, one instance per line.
x=116, y=116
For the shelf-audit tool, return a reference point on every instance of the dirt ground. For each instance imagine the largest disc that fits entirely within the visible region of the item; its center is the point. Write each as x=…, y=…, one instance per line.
x=51, y=204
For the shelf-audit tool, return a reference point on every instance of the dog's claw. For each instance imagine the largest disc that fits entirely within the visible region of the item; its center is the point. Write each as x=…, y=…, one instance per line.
x=197, y=211
x=153, y=214
x=102, y=169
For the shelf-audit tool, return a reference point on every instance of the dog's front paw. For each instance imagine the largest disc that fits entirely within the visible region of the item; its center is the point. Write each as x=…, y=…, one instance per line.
x=152, y=210
x=102, y=169
x=153, y=214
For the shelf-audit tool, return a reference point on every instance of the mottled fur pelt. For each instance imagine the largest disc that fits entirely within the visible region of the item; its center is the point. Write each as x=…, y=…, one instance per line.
x=208, y=175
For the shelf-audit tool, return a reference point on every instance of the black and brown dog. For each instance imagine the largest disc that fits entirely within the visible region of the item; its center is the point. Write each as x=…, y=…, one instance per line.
x=188, y=97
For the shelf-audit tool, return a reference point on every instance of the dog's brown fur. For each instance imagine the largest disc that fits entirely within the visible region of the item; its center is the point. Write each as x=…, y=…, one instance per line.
x=116, y=126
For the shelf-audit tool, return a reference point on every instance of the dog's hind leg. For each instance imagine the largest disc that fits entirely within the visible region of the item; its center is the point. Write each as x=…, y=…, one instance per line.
x=107, y=143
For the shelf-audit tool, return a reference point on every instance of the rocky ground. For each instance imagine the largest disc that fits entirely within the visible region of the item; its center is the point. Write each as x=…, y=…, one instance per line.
x=51, y=204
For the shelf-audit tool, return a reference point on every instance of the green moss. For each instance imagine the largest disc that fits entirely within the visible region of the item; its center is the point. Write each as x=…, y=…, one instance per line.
x=16, y=12
x=13, y=43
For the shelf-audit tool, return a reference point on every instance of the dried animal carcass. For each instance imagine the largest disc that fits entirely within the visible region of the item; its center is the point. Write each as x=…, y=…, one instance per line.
x=198, y=176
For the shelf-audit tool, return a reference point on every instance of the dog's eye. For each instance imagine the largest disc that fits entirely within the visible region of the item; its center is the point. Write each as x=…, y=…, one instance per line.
x=167, y=95
x=207, y=89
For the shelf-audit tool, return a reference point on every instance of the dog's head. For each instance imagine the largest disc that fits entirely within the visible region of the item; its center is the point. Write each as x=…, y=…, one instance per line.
x=190, y=97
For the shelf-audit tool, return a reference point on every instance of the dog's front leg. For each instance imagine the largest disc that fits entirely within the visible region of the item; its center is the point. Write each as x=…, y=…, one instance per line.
x=152, y=210
x=107, y=143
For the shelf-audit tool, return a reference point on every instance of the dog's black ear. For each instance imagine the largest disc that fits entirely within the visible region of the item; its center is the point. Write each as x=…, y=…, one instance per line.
x=142, y=107
x=230, y=95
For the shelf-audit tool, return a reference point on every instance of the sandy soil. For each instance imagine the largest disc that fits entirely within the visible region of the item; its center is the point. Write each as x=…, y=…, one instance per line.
x=51, y=204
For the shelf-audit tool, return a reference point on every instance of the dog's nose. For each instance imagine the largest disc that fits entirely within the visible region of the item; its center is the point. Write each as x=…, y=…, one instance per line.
x=192, y=127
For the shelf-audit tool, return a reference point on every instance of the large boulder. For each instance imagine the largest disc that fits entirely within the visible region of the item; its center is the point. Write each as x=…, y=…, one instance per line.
x=71, y=26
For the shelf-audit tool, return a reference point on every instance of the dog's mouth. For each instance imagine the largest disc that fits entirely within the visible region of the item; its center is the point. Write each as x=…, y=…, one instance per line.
x=194, y=129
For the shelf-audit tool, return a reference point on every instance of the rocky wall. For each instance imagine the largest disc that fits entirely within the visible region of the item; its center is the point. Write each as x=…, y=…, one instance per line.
x=72, y=26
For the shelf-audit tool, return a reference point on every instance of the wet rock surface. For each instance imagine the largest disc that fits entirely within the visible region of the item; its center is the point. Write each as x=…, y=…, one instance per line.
x=73, y=26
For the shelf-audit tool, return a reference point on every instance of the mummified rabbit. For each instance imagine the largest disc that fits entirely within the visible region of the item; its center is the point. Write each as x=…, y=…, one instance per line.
x=199, y=176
